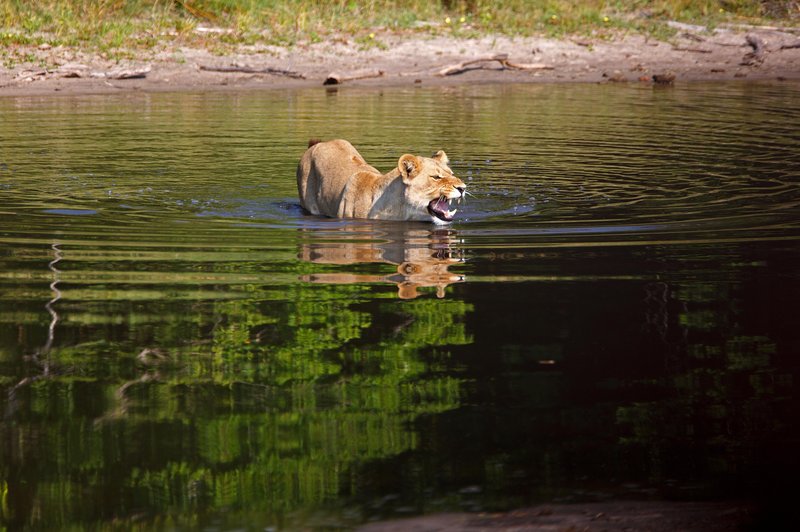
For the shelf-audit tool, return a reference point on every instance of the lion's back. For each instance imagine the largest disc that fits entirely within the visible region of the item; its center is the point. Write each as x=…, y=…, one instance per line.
x=324, y=172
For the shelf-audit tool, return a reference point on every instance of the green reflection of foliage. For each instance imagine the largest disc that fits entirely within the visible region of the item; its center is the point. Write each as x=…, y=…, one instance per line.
x=725, y=399
x=433, y=323
x=255, y=403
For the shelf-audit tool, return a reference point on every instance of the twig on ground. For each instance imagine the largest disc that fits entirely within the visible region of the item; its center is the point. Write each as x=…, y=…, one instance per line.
x=790, y=45
x=500, y=58
x=336, y=79
x=250, y=70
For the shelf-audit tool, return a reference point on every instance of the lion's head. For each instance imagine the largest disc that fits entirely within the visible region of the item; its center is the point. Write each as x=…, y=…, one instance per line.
x=431, y=185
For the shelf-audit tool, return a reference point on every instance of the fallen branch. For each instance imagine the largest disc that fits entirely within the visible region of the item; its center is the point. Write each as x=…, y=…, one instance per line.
x=756, y=57
x=336, y=79
x=692, y=37
x=765, y=28
x=526, y=66
x=249, y=70
x=790, y=46
x=75, y=70
x=694, y=50
x=30, y=75
x=72, y=70
x=462, y=67
x=666, y=78
x=500, y=58
x=118, y=74
x=756, y=43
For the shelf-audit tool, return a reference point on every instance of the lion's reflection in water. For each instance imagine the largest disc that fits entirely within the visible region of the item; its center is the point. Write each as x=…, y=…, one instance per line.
x=421, y=255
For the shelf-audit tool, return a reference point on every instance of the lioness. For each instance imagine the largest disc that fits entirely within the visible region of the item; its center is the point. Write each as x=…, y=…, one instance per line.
x=333, y=179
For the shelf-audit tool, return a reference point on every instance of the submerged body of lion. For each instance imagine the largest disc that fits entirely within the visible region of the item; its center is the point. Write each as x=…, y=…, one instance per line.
x=334, y=180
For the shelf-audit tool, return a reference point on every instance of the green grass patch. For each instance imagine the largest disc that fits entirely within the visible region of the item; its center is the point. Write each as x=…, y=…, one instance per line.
x=138, y=24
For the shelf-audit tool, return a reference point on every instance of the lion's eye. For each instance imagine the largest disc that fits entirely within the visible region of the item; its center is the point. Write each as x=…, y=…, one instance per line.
x=437, y=177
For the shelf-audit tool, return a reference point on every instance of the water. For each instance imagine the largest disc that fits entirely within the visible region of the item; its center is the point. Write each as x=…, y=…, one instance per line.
x=612, y=316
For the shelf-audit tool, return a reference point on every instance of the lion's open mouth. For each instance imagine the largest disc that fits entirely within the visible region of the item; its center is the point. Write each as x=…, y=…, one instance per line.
x=440, y=209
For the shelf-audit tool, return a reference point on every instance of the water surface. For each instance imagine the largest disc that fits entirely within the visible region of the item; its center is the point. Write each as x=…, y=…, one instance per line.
x=611, y=316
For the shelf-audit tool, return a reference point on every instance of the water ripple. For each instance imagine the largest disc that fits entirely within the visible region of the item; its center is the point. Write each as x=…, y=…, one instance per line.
x=597, y=161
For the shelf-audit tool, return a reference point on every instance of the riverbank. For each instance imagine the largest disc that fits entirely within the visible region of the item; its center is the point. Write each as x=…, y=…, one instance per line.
x=694, y=53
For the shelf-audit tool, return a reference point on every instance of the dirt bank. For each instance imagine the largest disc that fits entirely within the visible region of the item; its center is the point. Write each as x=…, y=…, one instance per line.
x=752, y=53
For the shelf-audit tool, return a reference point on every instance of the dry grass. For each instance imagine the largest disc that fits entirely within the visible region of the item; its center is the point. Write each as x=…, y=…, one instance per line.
x=109, y=25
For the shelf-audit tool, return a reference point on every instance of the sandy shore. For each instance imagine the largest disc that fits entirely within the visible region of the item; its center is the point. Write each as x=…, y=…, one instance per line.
x=753, y=53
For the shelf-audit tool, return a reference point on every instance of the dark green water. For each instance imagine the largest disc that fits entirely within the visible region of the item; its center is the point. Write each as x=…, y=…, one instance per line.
x=613, y=315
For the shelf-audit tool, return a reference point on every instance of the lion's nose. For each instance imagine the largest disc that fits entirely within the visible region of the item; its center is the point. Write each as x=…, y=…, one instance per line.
x=461, y=190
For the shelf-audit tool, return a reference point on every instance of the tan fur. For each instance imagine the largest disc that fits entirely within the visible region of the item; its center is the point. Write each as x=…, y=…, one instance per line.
x=334, y=180
x=422, y=257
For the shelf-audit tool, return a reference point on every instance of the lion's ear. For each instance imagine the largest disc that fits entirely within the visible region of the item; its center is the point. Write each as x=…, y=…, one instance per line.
x=409, y=166
x=441, y=156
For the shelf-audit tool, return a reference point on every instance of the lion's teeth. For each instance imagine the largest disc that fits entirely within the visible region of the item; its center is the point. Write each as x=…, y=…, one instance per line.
x=452, y=213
